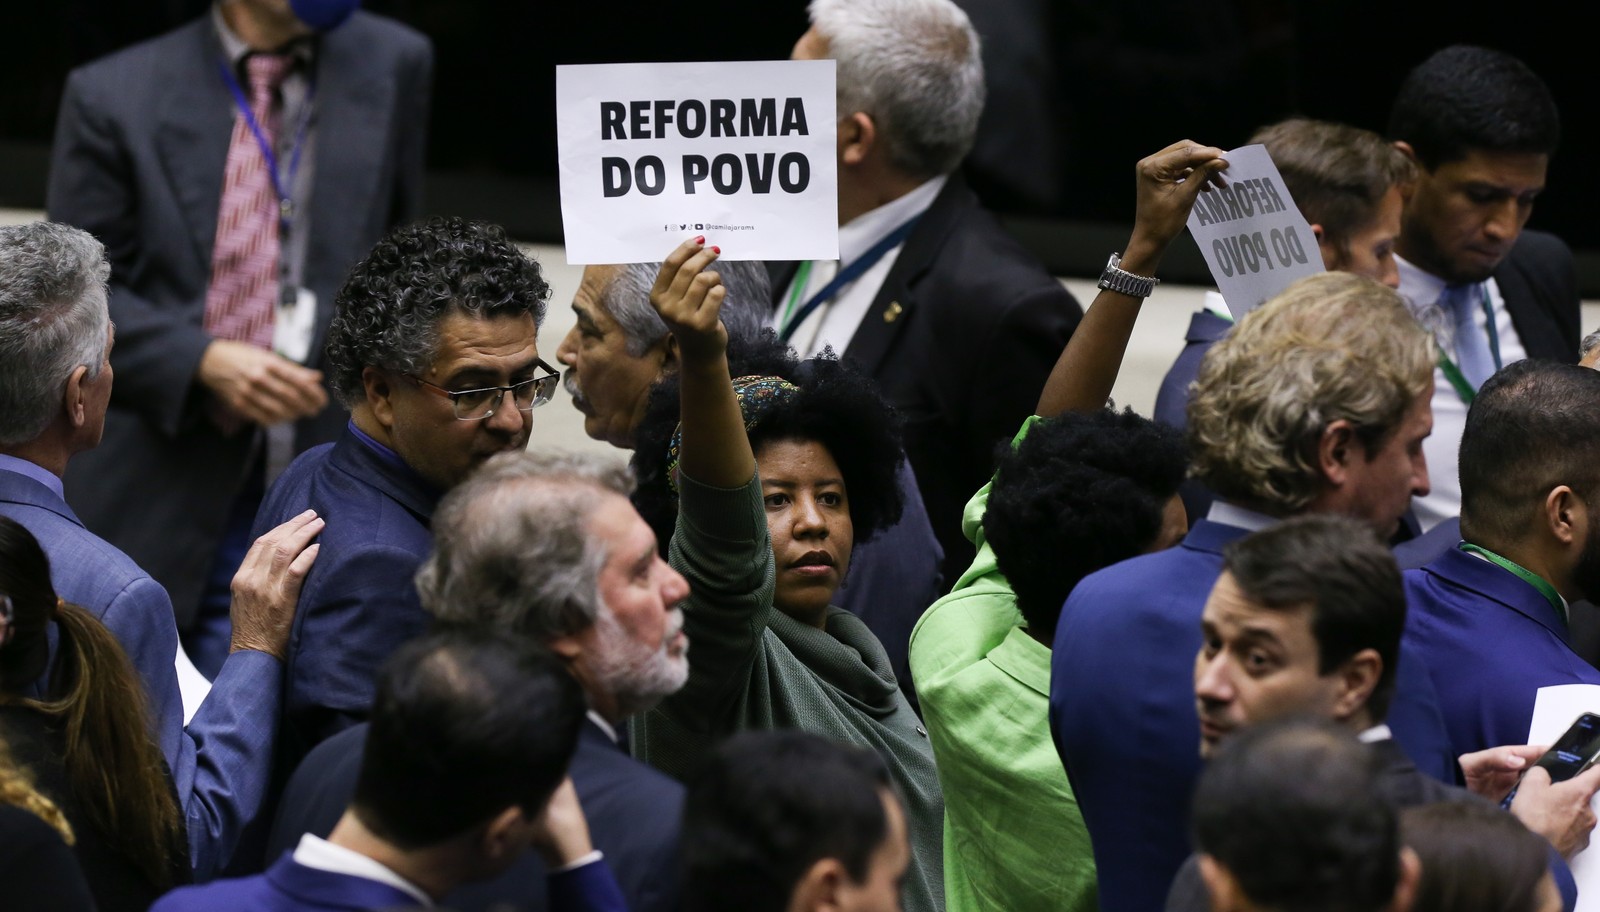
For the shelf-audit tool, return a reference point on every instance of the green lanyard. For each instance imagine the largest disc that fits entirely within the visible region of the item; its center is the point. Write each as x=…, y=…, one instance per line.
x=1533, y=579
x=802, y=276
x=1457, y=378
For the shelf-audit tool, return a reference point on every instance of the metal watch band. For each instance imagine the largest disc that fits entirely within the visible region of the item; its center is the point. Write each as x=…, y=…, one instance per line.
x=1115, y=278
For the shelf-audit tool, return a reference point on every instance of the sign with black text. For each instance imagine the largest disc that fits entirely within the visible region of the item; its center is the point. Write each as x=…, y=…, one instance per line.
x=1251, y=233
x=655, y=153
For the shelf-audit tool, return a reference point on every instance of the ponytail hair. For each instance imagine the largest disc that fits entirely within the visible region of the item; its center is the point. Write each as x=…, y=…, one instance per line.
x=97, y=701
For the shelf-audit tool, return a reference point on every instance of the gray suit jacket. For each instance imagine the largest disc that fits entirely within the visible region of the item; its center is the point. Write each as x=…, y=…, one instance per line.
x=138, y=161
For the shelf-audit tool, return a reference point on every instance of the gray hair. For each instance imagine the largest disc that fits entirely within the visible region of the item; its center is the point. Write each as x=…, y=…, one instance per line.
x=914, y=66
x=1589, y=344
x=53, y=319
x=511, y=547
x=744, y=311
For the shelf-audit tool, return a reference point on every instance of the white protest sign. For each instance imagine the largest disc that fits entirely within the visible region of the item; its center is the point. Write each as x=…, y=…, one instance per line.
x=1555, y=708
x=655, y=153
x=1251, y=233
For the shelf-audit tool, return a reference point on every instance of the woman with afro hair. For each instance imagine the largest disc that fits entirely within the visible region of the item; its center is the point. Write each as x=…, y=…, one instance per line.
x=776, y=477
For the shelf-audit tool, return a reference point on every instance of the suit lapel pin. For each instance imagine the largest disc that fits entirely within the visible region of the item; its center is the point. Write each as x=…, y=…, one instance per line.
x=892, y=312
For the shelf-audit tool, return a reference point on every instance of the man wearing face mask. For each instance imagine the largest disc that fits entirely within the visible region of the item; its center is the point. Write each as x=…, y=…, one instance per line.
x=235, y=169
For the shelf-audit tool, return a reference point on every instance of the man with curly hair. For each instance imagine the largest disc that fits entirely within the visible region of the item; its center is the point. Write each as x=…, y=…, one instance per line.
x=1317, y=402
x=433, y=349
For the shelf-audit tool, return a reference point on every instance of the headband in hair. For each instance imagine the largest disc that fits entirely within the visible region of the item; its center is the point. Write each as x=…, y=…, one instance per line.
x=757, y=396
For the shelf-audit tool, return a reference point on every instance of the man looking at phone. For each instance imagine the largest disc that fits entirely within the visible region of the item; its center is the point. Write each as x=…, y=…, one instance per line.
x=1492, y=613
x=1306, y=620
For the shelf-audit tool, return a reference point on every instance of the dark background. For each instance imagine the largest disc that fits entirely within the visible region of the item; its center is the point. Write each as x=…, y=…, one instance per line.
x=1078, y=92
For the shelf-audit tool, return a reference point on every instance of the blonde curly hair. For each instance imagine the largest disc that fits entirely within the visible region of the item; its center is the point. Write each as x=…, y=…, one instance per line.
x=16, y=788
x=1329, y=347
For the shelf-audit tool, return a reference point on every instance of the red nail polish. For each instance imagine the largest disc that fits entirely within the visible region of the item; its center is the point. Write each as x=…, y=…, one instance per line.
x=716, y=250
x=700, y=240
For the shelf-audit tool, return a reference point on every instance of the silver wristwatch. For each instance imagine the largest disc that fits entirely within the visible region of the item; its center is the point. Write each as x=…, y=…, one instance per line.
x=1115, y=278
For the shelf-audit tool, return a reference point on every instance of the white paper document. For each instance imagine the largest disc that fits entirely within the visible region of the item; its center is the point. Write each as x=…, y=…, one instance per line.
x=1554, y=710
x=652, y=154
x=1251, y=233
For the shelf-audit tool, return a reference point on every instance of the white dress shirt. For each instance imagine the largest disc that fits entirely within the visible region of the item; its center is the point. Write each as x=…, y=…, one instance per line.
x=314, y=852
x=834, y=323
x=1421, y=290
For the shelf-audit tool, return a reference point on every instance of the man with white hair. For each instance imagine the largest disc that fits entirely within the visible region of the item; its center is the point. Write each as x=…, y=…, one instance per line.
x=958, y=324
x=546, y=546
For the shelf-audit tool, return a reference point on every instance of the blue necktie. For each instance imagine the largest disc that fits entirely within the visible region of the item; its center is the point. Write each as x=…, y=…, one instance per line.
x=1472, y=353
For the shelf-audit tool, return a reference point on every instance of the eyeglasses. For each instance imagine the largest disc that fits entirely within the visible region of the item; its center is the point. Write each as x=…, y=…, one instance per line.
x=478, y=404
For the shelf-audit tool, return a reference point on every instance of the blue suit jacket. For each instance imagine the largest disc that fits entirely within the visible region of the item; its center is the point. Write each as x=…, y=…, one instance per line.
x=221, y=764
x=289, y=886
x=359, y=602
x=1491, y=641
x=1122, y=710
x=633, y=812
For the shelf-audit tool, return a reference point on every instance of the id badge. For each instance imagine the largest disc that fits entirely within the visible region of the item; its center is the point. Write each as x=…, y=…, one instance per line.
x=295, y=323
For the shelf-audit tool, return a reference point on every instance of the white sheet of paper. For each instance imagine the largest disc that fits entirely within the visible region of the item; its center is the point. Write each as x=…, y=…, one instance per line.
x=1251, y=233
x=652, y=154
x=1554, y=710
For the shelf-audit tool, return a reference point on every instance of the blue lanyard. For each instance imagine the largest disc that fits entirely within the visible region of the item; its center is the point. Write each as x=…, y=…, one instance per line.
x=285, y=200
x=849, y=274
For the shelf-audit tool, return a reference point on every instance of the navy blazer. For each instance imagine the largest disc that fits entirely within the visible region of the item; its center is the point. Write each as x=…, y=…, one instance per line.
x=221, y=763
x=359, y=602
x=633, y=812
x=1490, y=641
x=1122, y=710
x=138, y=159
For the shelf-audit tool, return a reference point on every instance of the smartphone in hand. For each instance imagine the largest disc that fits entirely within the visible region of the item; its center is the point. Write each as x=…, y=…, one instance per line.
x=1574, y=752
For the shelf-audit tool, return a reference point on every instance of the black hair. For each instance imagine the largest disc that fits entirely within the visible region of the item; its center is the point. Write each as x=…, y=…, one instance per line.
x=767, y=806
x=1465, y=99
x=836, y=406
x=1475, y=858
x=1082, y=491
x=1534, y=425
x=387, y=314
x=1292, y=810
x=465, y=724
x=1339, y=568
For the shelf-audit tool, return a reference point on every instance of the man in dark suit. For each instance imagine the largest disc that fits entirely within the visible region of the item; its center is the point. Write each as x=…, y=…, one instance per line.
x=1308, y=619
x=1278, y=427
x=957, y=323
x=1498, y=603
x=1481, y=127
x=55, y=383
x=546, y=546
x=434, y=350
x=463, y=770
x=202, y=419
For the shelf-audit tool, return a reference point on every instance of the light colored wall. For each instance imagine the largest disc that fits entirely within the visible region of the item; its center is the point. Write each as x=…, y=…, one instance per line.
x=1157, y=338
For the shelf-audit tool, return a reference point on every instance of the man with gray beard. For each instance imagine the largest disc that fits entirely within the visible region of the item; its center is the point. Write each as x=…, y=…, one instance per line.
x=547, y=546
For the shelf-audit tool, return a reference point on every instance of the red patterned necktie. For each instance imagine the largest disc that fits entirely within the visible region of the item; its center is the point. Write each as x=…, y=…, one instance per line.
x=244, y=261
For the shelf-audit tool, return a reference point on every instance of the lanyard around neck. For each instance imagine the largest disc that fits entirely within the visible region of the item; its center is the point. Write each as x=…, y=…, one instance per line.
x=282, y=184
x=1520, y=572
x=847, y=274
x=1452, y=371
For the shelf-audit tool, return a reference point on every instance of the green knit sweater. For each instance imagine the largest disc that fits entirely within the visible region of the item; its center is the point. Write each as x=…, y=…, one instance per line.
x=753, y=667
